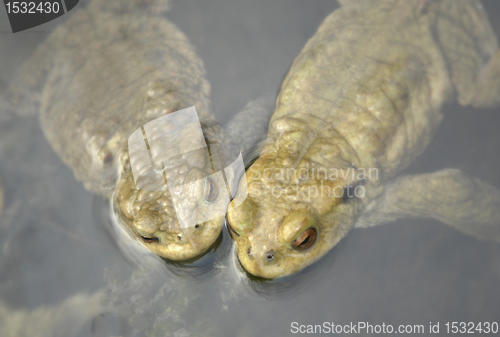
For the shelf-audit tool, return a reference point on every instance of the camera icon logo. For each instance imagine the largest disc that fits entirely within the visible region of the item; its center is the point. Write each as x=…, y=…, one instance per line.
x=171, y=153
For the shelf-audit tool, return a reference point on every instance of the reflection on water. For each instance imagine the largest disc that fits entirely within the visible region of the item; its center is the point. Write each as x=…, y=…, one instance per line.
x=61, y=273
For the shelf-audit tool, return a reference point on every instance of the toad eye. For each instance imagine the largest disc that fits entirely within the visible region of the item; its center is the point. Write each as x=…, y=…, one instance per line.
x=211, y=190
x=305, y=240
x=150, y=239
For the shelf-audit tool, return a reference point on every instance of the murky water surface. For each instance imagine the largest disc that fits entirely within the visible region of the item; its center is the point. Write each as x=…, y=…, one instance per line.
x=63, y=274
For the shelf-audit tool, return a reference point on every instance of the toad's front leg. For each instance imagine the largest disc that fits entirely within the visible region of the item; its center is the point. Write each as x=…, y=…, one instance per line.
x=465, y=203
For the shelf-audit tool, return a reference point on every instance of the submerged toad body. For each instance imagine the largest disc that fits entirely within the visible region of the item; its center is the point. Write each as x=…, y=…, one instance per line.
x=103, y=74
x=359, y=104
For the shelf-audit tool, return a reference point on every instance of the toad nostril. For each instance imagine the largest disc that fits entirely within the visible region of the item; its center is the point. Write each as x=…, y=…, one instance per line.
x=249, y=251
x=270, y=256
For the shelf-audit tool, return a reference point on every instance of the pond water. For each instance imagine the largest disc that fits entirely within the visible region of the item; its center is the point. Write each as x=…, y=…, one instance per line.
x=63, y=272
